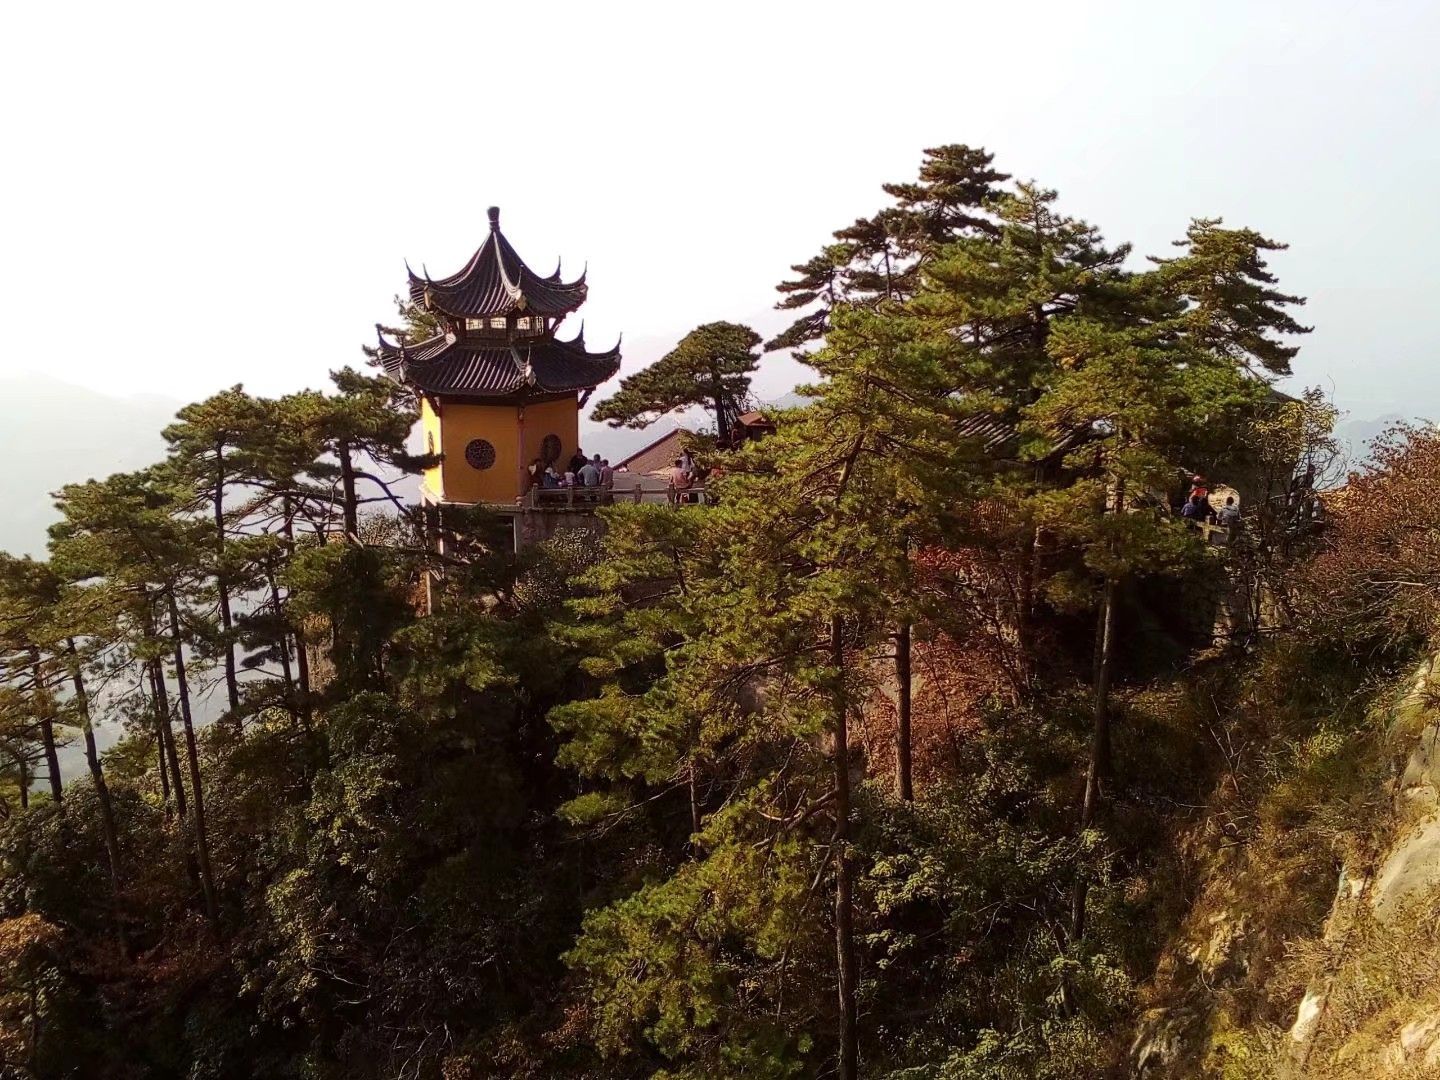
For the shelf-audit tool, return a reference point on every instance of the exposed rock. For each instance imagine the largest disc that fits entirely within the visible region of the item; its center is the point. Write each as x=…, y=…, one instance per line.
x=1420, y=783
x=1410, y=870
x=1420, y=1036
x=1307, y=1016
x=1164, y=1039
x=1228, y=931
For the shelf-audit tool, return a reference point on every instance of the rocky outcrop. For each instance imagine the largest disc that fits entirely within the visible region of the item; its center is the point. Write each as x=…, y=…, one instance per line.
x=1372, y=905
x=1371, y=1008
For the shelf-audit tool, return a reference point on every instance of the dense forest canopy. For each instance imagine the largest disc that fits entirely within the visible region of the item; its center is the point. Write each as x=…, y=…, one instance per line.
x=886, y=762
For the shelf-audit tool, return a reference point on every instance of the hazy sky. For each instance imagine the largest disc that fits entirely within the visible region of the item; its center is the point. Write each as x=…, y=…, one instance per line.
x=196, y=194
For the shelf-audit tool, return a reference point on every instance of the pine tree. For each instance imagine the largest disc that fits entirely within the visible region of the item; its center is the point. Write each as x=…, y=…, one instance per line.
x=44, y=618
x=27, y=590
x=366, y=423
x=129, y=531
x=209, y=446
x=820, y=282
x=1233, y=309
x=881, y=258
x=709, y=368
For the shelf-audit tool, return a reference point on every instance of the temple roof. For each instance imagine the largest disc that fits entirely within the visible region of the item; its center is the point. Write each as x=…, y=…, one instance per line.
x=465, y=367
x=496, y=281
x=660, y=454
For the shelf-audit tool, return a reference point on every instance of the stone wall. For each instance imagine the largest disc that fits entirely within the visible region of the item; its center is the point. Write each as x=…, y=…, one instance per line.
x=535, y=526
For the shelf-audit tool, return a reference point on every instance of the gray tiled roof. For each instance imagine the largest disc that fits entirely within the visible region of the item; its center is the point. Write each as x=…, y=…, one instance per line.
x=496, y=281
x=479, y=368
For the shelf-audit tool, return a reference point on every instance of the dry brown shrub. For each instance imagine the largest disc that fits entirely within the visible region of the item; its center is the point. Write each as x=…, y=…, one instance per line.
x=1377, y=583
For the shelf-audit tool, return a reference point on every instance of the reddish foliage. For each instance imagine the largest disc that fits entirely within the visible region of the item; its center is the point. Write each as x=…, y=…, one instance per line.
x=1377, y=583
x=952, y=681
x=975, y=596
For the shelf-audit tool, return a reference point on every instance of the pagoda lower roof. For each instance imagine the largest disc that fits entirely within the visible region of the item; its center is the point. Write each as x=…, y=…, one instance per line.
x=462, y=367
x=496, y=281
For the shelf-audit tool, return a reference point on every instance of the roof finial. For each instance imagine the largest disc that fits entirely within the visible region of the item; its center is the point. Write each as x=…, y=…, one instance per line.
x=494, y=213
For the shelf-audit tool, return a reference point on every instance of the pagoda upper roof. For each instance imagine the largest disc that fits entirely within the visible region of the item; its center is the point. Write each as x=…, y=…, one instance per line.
x=476, y=367
x=496, y=281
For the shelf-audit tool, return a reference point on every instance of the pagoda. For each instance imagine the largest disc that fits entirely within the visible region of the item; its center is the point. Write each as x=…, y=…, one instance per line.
x=497, y=390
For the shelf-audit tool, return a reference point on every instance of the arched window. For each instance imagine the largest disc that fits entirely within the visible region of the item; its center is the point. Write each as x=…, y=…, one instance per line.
x=550, y=449
x=479, y=454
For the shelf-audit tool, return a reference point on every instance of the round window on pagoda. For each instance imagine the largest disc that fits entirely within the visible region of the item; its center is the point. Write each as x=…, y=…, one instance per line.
x=479, y=454
x=550, y=449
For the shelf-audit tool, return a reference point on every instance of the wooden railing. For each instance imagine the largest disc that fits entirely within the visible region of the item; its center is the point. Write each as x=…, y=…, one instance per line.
x=587, y=498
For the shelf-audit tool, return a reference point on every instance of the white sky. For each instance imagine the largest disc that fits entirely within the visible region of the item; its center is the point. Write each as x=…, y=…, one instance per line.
x=195, y=195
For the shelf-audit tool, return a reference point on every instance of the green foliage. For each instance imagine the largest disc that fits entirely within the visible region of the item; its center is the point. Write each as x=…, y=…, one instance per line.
x=690, y=964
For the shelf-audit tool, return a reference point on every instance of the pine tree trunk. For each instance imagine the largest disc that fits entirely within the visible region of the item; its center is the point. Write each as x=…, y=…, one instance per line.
x=227, y=622
x=192, y=754
x=722, y=422
x=347, y=483
x=161, y=766
x=52, y=759
x=24, y=783
x=847, y=1064
x=903, y=782
x=97, y=774
x=283, y=643
x=1025, y=616
x=302, y=670
x=694, y=786
x=163, y=769
x=1099, y=750
x=1099, y=763
x=1030, y=585
x=302, y=659
x=167, y=736
x=47, y=729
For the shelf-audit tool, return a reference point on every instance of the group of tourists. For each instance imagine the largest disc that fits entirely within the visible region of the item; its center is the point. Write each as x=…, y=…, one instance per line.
x=1198, y=507
x=594, y=473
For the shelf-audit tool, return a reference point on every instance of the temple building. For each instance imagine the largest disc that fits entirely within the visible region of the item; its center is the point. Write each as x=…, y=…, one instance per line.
x=497, y=389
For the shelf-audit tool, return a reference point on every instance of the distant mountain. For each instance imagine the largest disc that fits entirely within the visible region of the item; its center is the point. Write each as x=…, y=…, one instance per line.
x=52, y=434
x=1356, y=436
x=791, y=400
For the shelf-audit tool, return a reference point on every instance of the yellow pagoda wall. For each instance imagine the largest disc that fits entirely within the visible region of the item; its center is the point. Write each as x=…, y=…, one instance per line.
x=560, y=418
x=430, y=433
x=515, y=437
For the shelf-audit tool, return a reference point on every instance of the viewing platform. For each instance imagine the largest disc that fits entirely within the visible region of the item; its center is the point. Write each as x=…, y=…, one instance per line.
x=541, y=513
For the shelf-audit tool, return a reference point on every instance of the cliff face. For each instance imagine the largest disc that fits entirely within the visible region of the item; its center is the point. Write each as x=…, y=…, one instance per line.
x=1312, y=945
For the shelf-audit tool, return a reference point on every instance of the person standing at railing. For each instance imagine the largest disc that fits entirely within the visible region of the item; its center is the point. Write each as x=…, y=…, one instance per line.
x=607, y=475
x=679, y=481
x=589, y=475
x=1229, y=515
